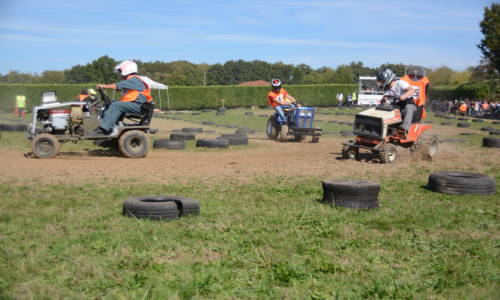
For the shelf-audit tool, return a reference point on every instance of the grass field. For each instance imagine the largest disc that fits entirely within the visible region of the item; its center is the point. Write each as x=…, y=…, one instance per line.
x=269, y=238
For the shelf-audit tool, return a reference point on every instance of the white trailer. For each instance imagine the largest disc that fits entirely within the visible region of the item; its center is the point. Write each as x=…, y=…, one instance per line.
x=369, y=92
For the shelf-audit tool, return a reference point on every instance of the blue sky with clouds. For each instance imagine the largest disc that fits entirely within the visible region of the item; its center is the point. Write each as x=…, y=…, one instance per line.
x=38, y=35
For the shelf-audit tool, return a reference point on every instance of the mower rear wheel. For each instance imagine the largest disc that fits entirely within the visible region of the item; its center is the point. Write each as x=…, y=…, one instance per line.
x=133, y=144
x=271, y=128
x=45, y=146
x=388, y=154
x=426, y=145
x=349, y=152
x=315, y=139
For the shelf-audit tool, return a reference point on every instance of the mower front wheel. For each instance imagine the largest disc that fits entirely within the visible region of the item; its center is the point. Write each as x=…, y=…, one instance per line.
x=349, y=152
x=388, y=154
x=45, y=146
x=283, y=133
x=272, y=128
x=133, y=144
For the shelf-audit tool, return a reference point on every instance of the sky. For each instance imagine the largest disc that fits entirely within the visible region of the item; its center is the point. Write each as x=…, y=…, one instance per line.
x=40, y=35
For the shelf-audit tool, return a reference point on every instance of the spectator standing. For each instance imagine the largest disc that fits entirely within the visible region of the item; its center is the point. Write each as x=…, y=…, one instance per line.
x=340, y=99
x=349, y=100
x=354, y=98
x=20, y=110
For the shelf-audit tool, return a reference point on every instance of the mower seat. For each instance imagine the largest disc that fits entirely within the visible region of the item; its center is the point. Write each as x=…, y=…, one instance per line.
x=417, y=115
x=144, y=118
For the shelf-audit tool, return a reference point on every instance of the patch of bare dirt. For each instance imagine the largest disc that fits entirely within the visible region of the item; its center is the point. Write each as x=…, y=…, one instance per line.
x=265, y=158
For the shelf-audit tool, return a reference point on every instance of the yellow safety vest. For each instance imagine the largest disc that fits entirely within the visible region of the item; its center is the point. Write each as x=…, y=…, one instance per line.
x=20, y=101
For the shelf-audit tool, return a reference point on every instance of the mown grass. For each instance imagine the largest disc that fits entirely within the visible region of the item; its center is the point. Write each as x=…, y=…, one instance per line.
x=263, y=240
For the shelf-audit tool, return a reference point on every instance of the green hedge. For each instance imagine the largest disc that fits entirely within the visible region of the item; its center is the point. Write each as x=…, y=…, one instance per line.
x=234, y=96
x=477, y=91
x=185, y=97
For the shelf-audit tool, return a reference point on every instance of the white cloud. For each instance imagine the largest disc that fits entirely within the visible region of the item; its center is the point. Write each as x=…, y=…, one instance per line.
x=252, y=39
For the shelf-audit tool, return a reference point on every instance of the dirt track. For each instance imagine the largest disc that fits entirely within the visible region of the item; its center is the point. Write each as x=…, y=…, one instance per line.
x=265, y=158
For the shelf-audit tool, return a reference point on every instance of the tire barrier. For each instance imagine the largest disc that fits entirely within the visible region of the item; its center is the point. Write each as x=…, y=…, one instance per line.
x=212, y=143
x=351, y=193
x=160, y=207
x=461, y=183
x=491, y=142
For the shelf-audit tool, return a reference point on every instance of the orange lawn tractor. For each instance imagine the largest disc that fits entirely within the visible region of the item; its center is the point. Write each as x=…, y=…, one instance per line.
x=379, y=130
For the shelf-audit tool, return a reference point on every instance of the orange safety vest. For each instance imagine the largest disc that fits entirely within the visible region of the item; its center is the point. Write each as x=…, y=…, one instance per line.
x=485, y=106
x=271, y=97
x=463, y=107
x=420, y=96
x=419, y=87
x=131, y=95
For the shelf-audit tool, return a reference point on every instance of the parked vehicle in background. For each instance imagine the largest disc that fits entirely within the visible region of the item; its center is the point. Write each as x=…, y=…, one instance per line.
x=369, y=92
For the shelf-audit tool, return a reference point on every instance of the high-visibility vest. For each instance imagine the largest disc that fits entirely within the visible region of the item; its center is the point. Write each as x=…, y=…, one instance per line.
x=82, y=97
x=463, y=107
x=272, y=97
x=354, y=97
x=131, y=95
x=419, y=97
x=20, y=101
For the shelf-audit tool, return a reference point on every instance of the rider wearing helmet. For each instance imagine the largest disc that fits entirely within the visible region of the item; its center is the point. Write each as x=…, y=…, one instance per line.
x=400, y=90
x=134, y=92
x=278, y=97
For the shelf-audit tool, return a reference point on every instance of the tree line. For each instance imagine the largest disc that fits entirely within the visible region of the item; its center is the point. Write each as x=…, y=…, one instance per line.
x=233, y=72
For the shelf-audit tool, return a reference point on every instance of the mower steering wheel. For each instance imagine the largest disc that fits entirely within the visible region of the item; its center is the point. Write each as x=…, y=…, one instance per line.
x=392, y=99
x=104, y=97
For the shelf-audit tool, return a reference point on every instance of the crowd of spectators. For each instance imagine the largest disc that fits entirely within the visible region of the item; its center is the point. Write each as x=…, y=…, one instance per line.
x=468, y=107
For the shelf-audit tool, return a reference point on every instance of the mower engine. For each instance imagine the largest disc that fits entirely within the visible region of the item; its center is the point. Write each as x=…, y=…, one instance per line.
x=54, y=120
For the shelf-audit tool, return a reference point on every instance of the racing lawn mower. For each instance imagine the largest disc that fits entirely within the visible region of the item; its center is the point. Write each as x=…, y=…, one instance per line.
x=379, y=130
x=299, y=121
x=57, y=123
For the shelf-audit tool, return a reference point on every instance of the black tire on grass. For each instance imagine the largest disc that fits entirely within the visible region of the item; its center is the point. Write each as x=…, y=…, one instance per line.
x=212, y=143
x=151, y=207
x=169, y=144
x=182, y=136
x=351, y=193
x=491, y=142
x=487, y=129
x=477, y=120
x=207, y=123
x=446, y=123
x=236, y=140
x=13, y=127
x=192, y=130
x=461, y=183
x=496, y=132
x=463, y=125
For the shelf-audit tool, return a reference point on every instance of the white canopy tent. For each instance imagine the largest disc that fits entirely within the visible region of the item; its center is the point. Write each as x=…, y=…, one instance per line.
x=155, y=86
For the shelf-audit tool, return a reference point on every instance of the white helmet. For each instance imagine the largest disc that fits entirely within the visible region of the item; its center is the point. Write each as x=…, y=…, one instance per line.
x=126, y=67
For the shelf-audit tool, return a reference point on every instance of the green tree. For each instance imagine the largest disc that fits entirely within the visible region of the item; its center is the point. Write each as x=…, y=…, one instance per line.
x=440, y=76
x=52, y=77
x=490, y=44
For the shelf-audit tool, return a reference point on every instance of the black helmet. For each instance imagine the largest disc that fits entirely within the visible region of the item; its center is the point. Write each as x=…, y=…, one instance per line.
x=385, y=77
x=415, y=72
x=276, y=84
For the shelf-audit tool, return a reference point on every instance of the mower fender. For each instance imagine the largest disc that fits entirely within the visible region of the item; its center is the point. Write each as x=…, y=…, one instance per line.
x=415, y=131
